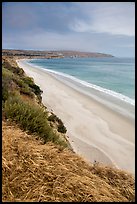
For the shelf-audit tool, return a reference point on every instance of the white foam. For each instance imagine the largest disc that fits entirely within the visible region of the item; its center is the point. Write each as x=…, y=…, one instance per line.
x=87, y=84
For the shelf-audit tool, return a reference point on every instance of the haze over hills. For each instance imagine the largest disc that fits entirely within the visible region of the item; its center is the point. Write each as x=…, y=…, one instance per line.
x=50, y=54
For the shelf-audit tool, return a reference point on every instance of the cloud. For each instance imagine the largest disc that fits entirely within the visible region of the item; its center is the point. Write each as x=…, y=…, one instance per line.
x=87, y=26
x=101, y=17
x=37, y=16
x=70, y=41
x=112, y=18
x=80, y=26
x=17, y=16
x=51, y=41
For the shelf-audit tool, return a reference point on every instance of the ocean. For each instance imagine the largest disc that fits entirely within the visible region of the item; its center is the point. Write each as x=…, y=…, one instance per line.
x=110, y=77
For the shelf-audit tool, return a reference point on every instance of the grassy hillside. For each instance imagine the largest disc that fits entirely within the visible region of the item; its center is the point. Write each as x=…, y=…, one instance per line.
x=32, y=171
x=37, y=161
x=21, y=102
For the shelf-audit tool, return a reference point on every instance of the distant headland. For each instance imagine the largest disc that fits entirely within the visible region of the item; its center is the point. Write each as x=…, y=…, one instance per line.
x=51, y=54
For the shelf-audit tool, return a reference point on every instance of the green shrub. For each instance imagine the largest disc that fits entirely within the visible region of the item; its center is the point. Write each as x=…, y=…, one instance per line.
x=5, y=93
x=26, y=91
x=28, y=80
x=33, y=87
x=61, y=127
x=36, y=89
x=18, y=81
x=16, y=70
x=6, y=83
x=24, y=84
x=30, y=118
x=52, y=118
x=7, y=65
x=6, y=72
x=31, y=84
x=8, y=79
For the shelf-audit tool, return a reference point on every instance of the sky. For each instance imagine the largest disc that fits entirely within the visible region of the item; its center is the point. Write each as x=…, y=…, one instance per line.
x=104, y=27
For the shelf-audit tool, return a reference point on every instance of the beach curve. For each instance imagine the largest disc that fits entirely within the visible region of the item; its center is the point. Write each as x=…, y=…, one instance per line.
x=92, y=128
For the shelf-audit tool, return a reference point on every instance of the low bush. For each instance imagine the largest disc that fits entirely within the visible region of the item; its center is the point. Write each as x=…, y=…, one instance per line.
x=36, y=89
x=11, y=81
x=31, y=84
x=6, y=83
x=31, y=119
x=17, y=70
x=26, y=91
x=52, y=118
x=61, y=127
x=5, y=93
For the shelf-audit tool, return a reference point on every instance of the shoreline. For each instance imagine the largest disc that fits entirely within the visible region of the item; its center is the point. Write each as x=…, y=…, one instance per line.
x=92, y=129
x=115, y=101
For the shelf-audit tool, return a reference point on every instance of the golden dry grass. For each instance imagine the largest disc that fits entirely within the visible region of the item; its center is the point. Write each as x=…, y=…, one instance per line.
x=32, y=171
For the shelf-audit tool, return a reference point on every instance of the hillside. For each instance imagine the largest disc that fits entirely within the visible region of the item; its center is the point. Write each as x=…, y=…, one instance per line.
x=33, y=171
x=38, y=163
x=51, y=54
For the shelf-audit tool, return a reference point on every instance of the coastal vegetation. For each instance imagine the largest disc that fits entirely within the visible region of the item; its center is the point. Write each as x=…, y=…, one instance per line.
x=31, y=118
x=33, y=171
x=38, y=163
x=53, y=118
x=13, y=78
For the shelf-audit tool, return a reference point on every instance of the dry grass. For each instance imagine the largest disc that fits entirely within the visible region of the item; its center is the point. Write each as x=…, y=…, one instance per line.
x=32, y=171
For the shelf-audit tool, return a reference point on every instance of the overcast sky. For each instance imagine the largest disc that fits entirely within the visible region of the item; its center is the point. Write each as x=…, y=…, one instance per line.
x=106, y=27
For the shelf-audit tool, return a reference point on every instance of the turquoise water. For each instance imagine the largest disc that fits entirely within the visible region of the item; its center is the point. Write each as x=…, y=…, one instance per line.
x=114, y=74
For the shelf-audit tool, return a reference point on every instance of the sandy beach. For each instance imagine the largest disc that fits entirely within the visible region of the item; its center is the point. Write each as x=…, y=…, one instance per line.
x=94, y=131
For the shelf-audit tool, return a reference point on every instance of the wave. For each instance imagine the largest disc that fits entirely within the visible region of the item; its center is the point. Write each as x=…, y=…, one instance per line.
x=87, y=84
